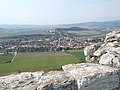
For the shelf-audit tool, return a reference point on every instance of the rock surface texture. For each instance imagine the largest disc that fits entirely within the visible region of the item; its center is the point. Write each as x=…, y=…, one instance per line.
x=104, y=75
x=107, y=53
x=84, y=76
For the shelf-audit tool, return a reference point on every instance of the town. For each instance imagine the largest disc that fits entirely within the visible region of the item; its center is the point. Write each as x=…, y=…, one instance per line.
x=51, y=40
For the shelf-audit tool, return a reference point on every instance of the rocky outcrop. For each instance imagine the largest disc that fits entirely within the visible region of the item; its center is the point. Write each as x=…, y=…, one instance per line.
x=22, y=81
x=53, y=80
x=91, y=76
x=84, y=76
x=107, y=53
x=56, y=80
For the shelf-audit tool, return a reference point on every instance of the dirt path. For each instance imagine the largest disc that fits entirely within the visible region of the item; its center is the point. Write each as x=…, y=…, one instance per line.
x=14, y=57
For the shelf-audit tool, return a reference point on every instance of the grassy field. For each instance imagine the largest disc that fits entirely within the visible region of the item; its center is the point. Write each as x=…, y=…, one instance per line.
x=87, y=33
x=5, y=58
x=78, y=54
x=40, y=61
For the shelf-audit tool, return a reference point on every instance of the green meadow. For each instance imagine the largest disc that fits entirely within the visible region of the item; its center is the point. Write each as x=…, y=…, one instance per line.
x=40, y=61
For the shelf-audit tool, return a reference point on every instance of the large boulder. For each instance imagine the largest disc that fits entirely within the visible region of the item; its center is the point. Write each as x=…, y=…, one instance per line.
x=22, y=81
x=92, y=76
x=53, y=80
x=57, y=80
x=111, y=59
x=107, y=53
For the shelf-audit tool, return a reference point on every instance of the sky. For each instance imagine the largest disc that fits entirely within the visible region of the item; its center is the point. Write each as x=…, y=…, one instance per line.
x=49, y=12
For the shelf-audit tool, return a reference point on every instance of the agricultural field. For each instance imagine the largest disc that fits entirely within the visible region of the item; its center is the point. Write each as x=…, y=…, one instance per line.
x=6, y=58
x=78, y=54
x=39, y=61
x=88, y=33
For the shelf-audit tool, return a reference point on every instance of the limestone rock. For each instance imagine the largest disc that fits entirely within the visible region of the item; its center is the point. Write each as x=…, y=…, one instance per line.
x=57, y=80
x=84, y=76
x=93, y=76
x=22, y=81
x=111, y=59
x=99, y=52
x=90, y=49
x=113, y=36
x=107, y=53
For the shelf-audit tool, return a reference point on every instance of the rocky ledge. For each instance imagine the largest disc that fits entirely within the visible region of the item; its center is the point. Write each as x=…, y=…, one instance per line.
x=84, y=76
x=104, y=75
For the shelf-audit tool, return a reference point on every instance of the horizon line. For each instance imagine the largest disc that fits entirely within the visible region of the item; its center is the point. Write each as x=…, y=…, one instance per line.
x=64, y=23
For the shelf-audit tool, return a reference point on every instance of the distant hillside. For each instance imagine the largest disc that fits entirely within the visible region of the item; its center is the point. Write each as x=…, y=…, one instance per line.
x=72, y=29
x=95, y=25
x=10, y=30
